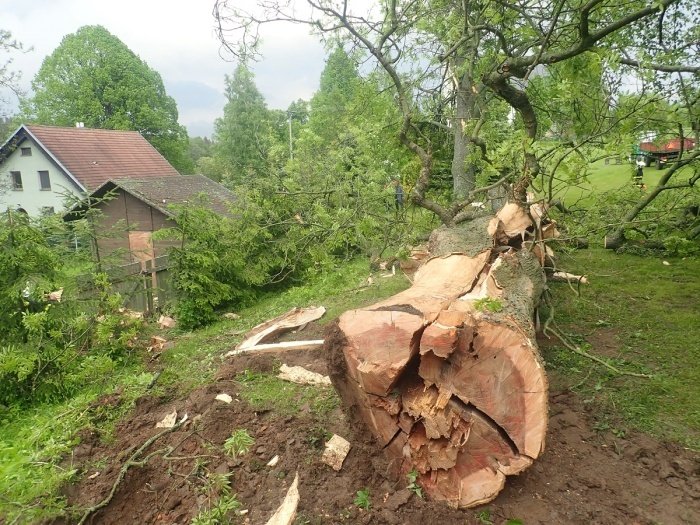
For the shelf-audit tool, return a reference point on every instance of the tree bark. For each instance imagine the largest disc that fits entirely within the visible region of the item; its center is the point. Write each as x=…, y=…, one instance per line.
x=446, y=375
x=463, y=175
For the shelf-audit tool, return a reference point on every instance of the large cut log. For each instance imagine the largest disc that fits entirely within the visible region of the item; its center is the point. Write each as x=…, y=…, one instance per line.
x=446, y=374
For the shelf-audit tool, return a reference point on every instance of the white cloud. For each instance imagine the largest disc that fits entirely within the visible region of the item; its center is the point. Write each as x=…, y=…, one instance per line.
x=175, y=37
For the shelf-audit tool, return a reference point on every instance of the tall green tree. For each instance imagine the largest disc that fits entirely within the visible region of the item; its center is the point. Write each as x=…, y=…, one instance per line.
x=243, y=135
x=93, y=77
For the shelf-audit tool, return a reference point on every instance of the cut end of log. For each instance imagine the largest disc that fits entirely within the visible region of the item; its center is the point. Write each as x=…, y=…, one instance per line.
x=446, y=375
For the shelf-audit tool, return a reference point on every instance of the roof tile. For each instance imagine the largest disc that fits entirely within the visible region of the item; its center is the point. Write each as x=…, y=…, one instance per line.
x=93, y=156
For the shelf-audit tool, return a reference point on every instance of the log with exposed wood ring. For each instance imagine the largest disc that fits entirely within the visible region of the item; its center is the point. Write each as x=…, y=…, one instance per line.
x=446, y=374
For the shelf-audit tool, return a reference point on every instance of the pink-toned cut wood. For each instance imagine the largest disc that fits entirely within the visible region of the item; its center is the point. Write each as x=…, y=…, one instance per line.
x=379, y=345
x=500, y=373
x=515, y=220
x=481, y=465
x=438, y=282
x=382, y=424
x=449, y=386
x=427, y=405
x=430, y=454
x=441, y=336
x=269, y=329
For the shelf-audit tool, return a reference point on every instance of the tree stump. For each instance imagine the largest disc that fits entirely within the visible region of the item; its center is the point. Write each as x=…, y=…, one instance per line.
x=446, y=375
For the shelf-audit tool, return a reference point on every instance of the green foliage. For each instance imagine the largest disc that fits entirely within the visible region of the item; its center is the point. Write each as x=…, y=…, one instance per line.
x=268, y=392
x=92, y=77
x=219, y=512
x=49, y=349
x=488, y=304
x=362, y=499
x=220, y=260
x=242, y=136
x=677, y=246
x=484, y=517
x=36, y=441
x=221, y=503
x=413, y=485
x=602, y=194
x=239, y=443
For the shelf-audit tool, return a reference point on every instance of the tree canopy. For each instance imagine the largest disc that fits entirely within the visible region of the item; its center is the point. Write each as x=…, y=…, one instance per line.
x=242, y=134
x=94, y=78
x=560, y=66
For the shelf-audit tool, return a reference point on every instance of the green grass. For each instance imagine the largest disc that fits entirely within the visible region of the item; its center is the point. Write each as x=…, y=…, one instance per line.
x=197, y=355
x=267, y=392
x=651, y=312
x=35, y=446
x=602, y=178
x=35, y=443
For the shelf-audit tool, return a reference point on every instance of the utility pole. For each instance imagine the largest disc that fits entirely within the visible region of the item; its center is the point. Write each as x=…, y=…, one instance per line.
x=289, y=121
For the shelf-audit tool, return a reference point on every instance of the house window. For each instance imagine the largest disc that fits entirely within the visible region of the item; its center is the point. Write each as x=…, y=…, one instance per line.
x=26, y=152
x=44, y=180
x=16, y=180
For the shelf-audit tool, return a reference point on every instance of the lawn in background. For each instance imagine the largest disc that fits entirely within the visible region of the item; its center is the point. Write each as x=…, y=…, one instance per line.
x=643, y=316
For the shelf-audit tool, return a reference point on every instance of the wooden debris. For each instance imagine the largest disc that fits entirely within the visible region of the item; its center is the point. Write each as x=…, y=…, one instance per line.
x=279, y=347
x=165, y=322
x=273, y=461
x=337, y=449
x=287, y=512
x=270, y=329
x=224, y=398
x=568, y=277
x=158, y=343
x=417, y=256
x=168, y=421
x=55, y=297
x=302, y=376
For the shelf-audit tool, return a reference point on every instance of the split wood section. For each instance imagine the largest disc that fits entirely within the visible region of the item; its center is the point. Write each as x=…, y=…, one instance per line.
x=446, y=374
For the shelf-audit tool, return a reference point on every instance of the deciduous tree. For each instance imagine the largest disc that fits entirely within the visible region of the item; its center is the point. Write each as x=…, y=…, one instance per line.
x=94, y=78
x=458, y=57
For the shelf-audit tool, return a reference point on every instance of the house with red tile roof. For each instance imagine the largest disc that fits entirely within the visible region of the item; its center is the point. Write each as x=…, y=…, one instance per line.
x=42, y=166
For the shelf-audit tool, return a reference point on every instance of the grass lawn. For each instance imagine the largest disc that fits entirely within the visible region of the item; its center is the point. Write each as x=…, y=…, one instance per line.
x=642, y=316
x=603, y=178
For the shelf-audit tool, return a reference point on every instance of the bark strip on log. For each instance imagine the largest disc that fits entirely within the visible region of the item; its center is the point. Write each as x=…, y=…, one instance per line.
x=446, y=374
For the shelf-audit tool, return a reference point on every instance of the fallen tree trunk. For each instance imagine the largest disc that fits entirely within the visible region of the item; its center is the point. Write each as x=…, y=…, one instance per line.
x=446, y=374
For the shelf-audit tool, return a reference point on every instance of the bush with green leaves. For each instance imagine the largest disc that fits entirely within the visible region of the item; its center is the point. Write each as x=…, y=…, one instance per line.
x=664, y=225
x=239, y=443
x=220, y=260
x=49, y=348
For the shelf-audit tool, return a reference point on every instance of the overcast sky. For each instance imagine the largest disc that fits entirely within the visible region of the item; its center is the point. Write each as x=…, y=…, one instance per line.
x=176, y=38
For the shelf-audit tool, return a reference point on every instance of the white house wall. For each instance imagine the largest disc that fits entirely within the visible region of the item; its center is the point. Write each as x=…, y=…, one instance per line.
x=31, y=197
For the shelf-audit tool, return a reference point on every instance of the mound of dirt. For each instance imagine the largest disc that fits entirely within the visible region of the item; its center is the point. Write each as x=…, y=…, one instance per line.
x=582, y=478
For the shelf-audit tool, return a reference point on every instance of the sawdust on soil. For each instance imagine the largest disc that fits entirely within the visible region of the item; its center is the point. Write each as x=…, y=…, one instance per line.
x=584, y=477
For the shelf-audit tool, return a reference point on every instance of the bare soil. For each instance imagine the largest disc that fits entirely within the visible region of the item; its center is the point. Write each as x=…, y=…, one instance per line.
x=584, y=476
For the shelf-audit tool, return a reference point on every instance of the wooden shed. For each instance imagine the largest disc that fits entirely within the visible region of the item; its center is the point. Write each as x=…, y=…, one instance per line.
x=133, y=208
